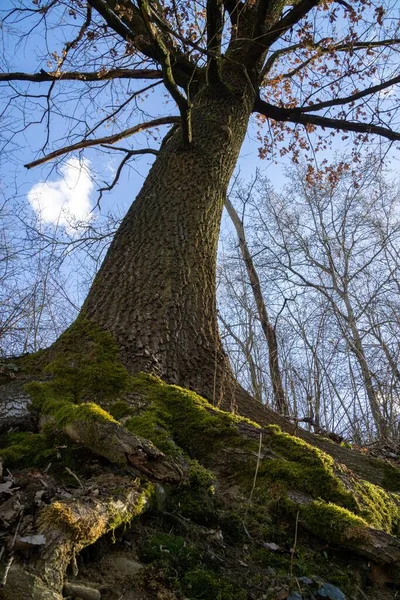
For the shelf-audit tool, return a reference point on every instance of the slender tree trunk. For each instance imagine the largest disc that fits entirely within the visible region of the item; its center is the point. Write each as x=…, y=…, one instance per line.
x=358, y=350
x=268, y=329
x=156, y=290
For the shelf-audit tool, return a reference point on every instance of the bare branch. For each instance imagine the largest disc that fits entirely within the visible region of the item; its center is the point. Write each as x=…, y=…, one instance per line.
x=297, y=116
x=110, y=139
x=131, y=26
x=320, y=51
x=234, y=7
x=83, y=76
x=352, y=98
x=215, y=22
x=263, y=42
x=169, y=80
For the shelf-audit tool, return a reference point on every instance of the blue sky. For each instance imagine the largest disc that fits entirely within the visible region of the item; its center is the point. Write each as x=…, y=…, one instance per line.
x=64, y=186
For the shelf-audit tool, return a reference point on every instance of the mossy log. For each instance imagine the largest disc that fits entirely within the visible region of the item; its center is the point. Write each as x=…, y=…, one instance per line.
x=372, y=469
x=68, y=526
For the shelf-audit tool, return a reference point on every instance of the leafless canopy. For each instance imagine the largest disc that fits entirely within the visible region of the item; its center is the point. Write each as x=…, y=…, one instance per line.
x=330, y=66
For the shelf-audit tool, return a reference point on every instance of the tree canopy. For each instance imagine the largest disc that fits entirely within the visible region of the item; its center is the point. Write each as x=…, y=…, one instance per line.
x=313, y=65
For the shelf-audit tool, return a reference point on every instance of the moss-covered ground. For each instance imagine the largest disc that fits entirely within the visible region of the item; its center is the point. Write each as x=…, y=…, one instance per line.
x=83, y=380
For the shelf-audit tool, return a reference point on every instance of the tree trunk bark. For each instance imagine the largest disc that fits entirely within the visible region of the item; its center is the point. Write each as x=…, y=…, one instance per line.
x=156, y=290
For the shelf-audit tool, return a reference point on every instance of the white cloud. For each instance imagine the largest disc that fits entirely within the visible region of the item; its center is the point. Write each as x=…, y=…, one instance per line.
x=66, y=201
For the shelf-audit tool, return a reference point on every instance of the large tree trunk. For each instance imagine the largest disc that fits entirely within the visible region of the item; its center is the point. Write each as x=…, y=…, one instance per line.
x=155, y=291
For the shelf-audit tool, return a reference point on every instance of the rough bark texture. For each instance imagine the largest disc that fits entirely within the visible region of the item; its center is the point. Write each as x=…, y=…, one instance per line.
x=155, y=291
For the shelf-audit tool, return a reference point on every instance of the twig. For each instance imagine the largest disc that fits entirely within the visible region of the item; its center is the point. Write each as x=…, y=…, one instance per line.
x=293, y=550
x=74, y=476
x=6, y=570
x=256, y=473
x=11, y=556
x=110, y=139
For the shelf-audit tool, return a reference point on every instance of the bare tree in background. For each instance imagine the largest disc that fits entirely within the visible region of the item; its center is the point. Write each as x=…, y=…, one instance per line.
x=331, y=251
x=268, y=328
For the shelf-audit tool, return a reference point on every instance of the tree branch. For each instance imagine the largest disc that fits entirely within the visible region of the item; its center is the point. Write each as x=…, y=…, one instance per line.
x=215, y=23
x=261, y=43
x=111, y=139
x=353, y=97
x=320, y=50
x=166, y=63
x=102, y=75
x=127, y=157
x=129, y=23
x=234, y=8
x=294, y=116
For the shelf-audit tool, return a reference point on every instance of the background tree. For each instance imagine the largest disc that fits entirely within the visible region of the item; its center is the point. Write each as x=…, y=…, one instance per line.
x=327, y=252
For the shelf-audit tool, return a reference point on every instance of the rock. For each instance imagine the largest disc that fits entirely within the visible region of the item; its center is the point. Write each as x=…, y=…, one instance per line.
x=122, y=564
x=305, y=580
x=295, y=596
x=81, y=591
x=272, y=546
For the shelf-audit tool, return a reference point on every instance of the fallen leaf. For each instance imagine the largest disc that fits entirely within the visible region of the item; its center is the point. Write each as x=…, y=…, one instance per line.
x=5, y=487
x=331, y=592
x=271, y=546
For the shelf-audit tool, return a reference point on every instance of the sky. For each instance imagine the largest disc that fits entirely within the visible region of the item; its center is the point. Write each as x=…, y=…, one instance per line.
x=66, y=191
x=59, y=192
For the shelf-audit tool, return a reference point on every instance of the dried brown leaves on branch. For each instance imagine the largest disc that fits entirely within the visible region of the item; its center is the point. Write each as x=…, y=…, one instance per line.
x=316, y=68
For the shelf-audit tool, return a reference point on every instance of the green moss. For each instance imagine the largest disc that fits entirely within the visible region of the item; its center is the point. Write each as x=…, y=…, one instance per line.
x=187, y=419
x=313, y=480
x=25, y=449
x=86, y=369
x=194, y=499
x=170, y=551
x=84, y=366
x=183, y=565
x=121, y=409
x=152, y=425
x=376, y=506
x=199, y=476
x=194, y=426
x=84, y=531
x=391, y=480
x=204, y=584
x=333, y=523
x=119, y=514
x=306, y=562
x=301, y=467
x=62, y=515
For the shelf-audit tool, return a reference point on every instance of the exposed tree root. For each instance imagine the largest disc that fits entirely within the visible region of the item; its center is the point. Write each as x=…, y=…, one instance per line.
x=68, y=526
x=332, y=502
x=112, y=441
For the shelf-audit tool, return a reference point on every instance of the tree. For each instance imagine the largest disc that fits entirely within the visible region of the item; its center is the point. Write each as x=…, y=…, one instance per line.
x=153, y=301
x=328, y=250
x=155, y=291
x=267, y=326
